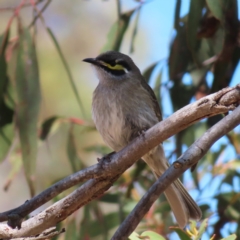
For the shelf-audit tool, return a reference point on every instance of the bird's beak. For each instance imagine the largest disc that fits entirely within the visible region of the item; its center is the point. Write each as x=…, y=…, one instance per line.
x=91, y=60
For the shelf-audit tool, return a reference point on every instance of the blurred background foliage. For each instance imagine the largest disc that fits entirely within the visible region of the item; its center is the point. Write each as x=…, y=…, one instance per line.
x=185, y=49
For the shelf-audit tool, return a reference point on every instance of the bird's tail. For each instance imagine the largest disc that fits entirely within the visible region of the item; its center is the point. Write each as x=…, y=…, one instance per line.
x=182, y=204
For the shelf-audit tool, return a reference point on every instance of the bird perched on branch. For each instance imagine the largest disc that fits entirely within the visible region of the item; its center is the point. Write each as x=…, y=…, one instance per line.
x=123, y=106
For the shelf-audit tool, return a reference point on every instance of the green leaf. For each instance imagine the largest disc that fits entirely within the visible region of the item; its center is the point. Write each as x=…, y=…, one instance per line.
x=157, y=86
x=218, y=8
x=109, y=198
x=135, y=30
x=194, y=17
x=180, y=56
x=181, y=95
x=134, y=236
x=117, y=31
x=177, y=14
x=46, y=127
x=68, y=71
x=182, y=234
x=148, y=72
x=149, y=235
x=101, y=149
x=71, y=231
x=75, y=161
x=108, y=222
x=6, y=136
x=230, y=237
x=3, y=64
x=193, y=225
x=202, y=229
x=6, y=112
x=28, y=102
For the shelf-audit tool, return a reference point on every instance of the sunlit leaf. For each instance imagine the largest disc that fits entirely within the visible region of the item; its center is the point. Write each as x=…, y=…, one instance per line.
x=202, y=229
x=28, y=102
x=182, y=234
x=134, y=236
x=231, y=237
x=149, y=235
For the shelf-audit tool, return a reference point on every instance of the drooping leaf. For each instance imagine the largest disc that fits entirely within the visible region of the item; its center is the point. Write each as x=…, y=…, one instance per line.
x=73, y=156
x=46, y=127
x=117, y=31
x=71, y=230
x=157, y=86
x=177, y=15
x=180, y=55
x=5, y=111
x=148, y=72
x=67, y=68
x=28, y=102
x=6, y=136
x=109, y=198
x=135, y=30
x=218, y=10
x=194, y=17
x=181, y=95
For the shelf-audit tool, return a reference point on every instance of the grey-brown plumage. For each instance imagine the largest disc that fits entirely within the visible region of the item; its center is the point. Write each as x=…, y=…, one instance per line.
x=123, y=106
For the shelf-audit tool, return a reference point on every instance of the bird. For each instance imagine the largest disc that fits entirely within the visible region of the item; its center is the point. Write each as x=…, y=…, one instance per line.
x=123, y=106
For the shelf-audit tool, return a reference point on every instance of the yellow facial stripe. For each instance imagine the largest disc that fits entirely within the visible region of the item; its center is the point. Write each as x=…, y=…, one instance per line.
x=116, y=67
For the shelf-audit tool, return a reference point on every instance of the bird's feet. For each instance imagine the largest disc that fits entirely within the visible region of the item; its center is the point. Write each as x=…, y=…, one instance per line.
x=105, y=158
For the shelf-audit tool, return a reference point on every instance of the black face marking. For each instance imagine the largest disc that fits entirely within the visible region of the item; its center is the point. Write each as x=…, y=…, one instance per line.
x=113, y=72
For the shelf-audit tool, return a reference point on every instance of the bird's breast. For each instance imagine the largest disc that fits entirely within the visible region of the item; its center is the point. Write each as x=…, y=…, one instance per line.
x=109, y=118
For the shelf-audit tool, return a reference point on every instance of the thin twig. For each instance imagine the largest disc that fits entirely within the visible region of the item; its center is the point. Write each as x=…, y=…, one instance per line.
x=24, y=5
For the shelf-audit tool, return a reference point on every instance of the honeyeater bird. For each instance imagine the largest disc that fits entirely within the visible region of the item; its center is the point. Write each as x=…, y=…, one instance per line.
x=125, y=105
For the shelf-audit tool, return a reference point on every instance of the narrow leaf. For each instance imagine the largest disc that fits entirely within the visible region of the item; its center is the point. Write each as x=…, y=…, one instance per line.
x=117, y=31
x=46, y=127
x=28, y=102
x=148, y=72
x=182, y=234
x=230, y=237
x=194, y=17
x=74, y=159
x=65, y=64
x=135, y=30
x=150, y=235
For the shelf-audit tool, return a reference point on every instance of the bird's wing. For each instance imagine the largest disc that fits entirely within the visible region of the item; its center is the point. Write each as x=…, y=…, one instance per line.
x=154, y=99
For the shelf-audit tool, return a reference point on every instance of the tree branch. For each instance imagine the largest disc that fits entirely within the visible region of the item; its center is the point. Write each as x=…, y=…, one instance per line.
x=191, y=157
x=106, y=172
